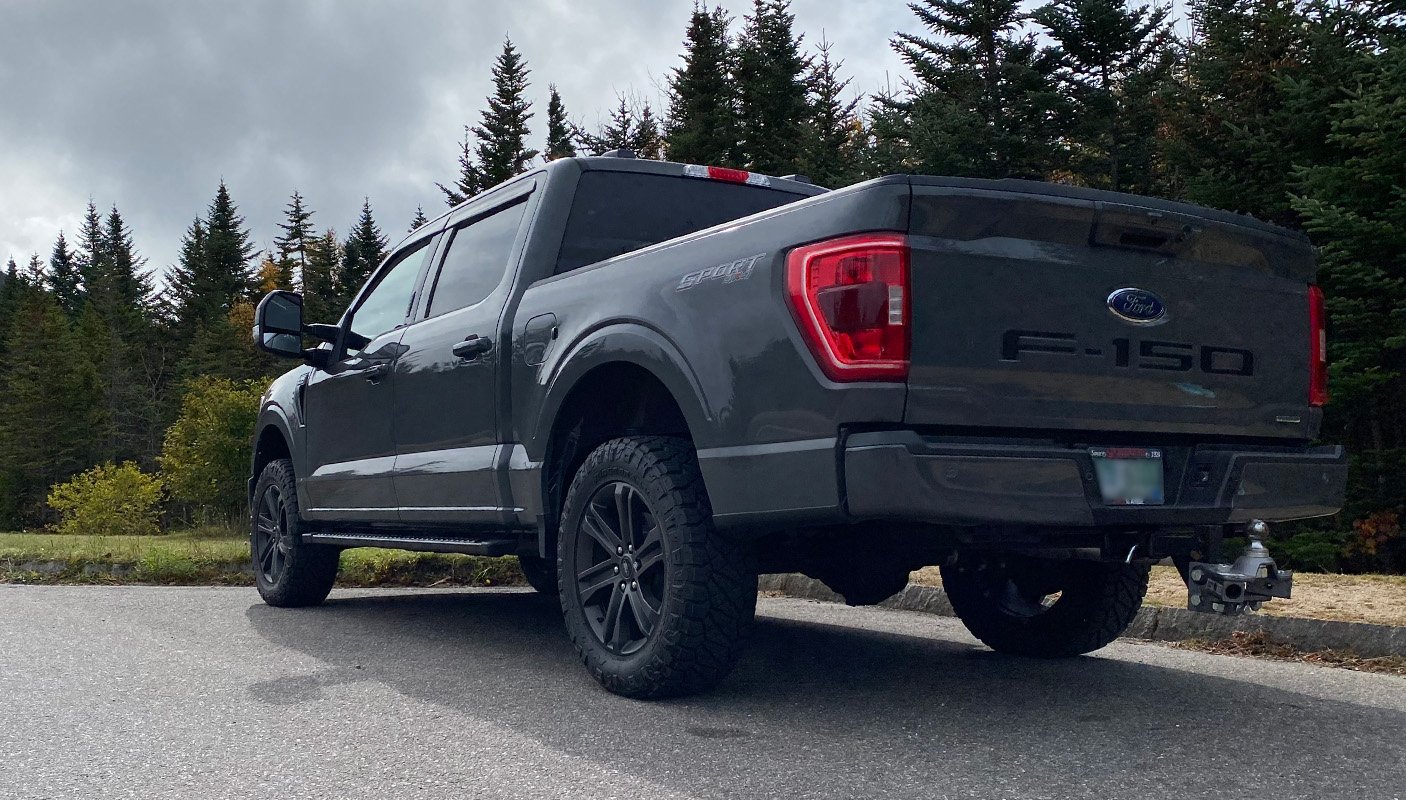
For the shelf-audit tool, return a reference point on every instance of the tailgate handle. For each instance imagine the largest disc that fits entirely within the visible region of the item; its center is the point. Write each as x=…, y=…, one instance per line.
x=1140, y=229
x=1145, y=239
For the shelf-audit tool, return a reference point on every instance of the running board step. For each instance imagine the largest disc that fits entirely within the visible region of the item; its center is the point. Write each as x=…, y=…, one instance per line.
x=427, y=544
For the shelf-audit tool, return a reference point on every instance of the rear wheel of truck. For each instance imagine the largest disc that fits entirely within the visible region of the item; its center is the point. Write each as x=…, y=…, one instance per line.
x=287, y=572
x=657, y=602
x=1043, y=607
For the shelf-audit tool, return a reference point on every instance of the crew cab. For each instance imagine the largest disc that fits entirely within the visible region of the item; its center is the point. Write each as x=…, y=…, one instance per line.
x=651, y=381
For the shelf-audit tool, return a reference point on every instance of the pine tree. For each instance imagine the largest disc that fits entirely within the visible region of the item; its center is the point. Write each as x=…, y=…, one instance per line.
x=322, y=299
x=828, y=155
x=11, y=291
x=228, y=251
x=647, y=142
x=124, y=287
x=629, y=129
x=1115, y=61
x=418, y=220
x=36, y=272
x=882, y=144
x=1353, y=206
x=615, y=133
x=703, y=125
x=292, y=244
x=502, y=134
x=470, y=180
x=361, y=254
x=115, y=326
x=561, y=135
x=223, y=348
x=501, y=151
x=983, y=102
x=214, y=271
x=771, y=90
x=64, y=279
x=186, y=281
x=91, y=265
x=51, y=407
x=112, y=360
x=1235, y=144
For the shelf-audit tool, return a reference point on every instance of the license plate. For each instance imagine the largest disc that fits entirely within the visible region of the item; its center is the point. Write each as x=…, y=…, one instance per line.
x=1129, y=476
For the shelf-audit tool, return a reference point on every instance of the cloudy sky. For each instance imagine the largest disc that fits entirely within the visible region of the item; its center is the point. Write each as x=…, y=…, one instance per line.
x=149, y=104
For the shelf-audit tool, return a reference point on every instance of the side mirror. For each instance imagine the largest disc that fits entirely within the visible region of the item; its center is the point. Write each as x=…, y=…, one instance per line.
x=278, y=324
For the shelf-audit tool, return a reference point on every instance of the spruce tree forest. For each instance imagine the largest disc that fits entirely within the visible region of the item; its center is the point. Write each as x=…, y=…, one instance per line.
x=1293, y=111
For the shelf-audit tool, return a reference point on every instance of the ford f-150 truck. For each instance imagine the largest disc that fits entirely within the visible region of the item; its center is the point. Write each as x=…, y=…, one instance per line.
x=652, y=381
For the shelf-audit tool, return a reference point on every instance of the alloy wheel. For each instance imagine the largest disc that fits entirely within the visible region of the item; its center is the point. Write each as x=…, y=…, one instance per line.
x=270, y=543
x=619, y=567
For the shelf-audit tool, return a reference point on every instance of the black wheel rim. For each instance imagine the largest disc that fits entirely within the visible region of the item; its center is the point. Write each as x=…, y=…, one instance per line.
x=271, y=536
x=620, y=567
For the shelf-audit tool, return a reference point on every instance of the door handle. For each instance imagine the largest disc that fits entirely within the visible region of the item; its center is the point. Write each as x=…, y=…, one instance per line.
x=375, y=372
x=472, y=347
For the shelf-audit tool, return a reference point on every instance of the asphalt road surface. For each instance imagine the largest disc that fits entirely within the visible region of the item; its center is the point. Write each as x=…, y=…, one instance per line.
x=207, y=693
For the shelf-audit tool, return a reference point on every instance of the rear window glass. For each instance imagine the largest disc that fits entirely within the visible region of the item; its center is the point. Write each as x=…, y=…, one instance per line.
x=619, y=212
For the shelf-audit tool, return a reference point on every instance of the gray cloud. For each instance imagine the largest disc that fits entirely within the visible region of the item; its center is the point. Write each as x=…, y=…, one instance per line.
x=149, y=104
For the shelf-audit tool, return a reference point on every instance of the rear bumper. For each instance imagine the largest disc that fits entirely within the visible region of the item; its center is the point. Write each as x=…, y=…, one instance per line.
x=904, y=476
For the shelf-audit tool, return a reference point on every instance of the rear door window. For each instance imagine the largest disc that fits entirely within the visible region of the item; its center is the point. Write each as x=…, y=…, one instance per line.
x=477, y=259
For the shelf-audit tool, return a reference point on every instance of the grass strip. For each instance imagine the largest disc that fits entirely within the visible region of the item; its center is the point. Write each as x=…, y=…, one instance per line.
x=220, y=557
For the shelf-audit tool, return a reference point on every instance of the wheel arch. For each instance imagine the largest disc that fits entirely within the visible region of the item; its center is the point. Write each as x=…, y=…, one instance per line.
x=624, y=380
x=272, y=440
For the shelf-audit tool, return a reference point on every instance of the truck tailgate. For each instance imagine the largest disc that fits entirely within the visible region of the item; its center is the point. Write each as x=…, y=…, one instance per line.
x=1050, y=308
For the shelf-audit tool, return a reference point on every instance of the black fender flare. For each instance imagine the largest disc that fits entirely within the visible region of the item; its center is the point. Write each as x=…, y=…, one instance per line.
x=274, y=417
x=630, y=343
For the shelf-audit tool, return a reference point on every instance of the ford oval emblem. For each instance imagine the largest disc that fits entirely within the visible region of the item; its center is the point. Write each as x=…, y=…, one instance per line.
x=1138, y=306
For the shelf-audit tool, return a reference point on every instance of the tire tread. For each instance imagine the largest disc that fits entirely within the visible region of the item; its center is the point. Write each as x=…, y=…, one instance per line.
x=713, y=585
x=312, y=569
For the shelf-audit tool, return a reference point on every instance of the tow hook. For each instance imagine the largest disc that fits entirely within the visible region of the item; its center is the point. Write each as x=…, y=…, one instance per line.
x=1232, y=589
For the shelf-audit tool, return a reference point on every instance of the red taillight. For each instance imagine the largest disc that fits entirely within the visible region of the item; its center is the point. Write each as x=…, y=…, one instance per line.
x=850, y=299
x=1317, y=349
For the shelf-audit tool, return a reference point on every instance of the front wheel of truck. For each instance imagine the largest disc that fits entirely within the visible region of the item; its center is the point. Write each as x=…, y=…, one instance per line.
x=657, y=602
x=1044, y=608
x=288, y=572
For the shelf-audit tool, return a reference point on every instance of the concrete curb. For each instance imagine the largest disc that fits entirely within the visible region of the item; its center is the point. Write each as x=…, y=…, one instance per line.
x=1158, y=624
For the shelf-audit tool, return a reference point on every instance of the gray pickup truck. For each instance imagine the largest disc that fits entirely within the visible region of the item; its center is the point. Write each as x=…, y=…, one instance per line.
x=652, y=381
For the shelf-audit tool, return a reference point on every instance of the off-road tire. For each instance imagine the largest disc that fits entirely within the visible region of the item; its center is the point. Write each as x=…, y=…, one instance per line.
x=1096, y=603
x=708, y=591
x=307, y=571
x=541, y=573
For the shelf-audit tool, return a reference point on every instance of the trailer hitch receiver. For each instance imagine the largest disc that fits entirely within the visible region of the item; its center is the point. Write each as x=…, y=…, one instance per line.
x=1245, y=585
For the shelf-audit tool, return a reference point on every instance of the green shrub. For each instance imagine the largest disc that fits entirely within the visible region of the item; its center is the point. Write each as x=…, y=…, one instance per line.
x=109, y=500
x=1312, y=551
x=205, y=458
